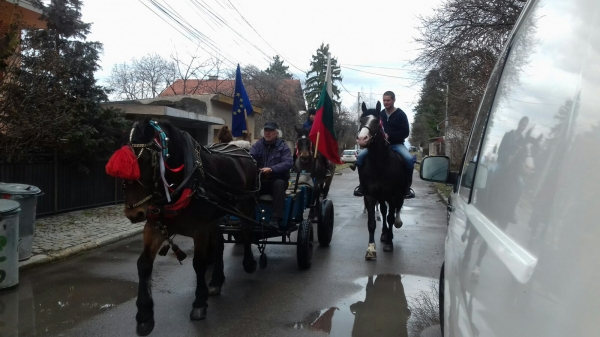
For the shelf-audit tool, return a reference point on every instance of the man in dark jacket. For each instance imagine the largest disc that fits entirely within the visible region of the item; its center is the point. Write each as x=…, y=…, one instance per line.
x=395, y=124
x=274, y=160
x=311, y=118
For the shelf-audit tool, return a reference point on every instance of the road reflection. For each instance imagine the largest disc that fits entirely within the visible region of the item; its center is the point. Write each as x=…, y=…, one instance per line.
x=388, y=305
x=55, y=306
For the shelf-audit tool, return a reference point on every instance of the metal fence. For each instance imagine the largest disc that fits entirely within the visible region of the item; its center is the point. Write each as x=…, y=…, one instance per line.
x=65, y=187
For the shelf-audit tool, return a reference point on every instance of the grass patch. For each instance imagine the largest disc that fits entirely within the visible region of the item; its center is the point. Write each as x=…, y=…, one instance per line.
x=445, y=189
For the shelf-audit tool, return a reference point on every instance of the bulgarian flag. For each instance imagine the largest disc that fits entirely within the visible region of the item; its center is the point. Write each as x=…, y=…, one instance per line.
x=322, y=133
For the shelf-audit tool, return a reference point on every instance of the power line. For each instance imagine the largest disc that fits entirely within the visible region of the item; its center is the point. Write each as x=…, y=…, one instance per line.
x=252, y=27
x=224, y=22
x=368, y=72
x=347, y=89
x=224, y=57
x=365, y=66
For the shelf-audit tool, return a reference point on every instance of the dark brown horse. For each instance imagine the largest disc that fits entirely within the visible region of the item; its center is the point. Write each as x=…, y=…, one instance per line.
x=383, y=183
x=199, y=181
x=305, y=161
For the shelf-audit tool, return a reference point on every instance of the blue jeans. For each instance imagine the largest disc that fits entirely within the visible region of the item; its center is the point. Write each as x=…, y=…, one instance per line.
x=398, y=148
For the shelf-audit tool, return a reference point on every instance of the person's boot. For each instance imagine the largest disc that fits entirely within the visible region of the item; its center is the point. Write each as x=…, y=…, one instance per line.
x=409, y=178
x=358, y=192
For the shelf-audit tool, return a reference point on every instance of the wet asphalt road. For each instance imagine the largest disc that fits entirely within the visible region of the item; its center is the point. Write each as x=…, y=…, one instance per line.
x=340, y=295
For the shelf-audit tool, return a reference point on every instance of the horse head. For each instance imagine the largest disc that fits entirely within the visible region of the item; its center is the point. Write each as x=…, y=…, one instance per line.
x=370, y=125
x=304, y=149
x=143, y=163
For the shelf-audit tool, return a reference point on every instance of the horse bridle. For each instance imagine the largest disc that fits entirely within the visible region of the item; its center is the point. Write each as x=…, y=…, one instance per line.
x=297, y=148
x=381, y=129
x=155, y=149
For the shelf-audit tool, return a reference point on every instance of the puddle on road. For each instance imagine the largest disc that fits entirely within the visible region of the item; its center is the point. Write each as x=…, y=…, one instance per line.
x=52, y=307
x=388, y=305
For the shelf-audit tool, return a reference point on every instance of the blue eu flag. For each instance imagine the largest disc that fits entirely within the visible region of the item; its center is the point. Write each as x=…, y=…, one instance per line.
x=241, y=102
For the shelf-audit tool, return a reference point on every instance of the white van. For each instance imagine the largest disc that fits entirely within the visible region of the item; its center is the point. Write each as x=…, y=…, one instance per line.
x=523, y=245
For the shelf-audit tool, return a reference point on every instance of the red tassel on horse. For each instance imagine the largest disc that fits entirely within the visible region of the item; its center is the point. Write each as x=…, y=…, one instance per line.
x=123, y=164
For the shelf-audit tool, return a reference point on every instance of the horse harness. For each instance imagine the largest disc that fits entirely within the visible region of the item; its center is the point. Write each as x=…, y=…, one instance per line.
x=298, y=148
x=161, y=205
x=381, y=129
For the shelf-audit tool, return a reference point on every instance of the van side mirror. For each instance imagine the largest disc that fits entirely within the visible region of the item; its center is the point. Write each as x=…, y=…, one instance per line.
x=435, y=168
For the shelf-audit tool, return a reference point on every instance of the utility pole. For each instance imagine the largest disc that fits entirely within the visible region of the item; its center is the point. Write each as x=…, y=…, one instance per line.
x=446, y=140
x=358, y=111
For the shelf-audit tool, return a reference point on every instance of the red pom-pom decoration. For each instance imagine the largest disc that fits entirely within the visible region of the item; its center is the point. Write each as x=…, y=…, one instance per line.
x=123, y=164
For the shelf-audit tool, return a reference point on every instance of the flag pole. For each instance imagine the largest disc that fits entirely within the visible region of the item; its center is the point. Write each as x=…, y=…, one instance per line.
x=246, y=122
x=329, y=91
x=317, y=144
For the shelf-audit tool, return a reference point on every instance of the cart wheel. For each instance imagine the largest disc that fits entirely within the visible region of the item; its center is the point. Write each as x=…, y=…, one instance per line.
x=325, y=224
x=262, y=262
x=304, y=246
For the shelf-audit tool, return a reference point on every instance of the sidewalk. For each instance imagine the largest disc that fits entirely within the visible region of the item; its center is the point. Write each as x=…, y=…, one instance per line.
x=60, y=236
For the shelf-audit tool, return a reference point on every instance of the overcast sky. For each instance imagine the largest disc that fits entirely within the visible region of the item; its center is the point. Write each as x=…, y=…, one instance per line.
x=362, y=35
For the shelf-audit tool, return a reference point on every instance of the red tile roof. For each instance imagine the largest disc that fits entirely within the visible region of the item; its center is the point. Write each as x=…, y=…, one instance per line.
x=227, y=87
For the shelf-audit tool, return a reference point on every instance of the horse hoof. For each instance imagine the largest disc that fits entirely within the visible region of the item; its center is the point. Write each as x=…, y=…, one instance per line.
x=198, y=314
x=371, y=252
x=214, y=291
x=388, y=247
x=250, y=267
x=398, y=223
x=145, y=328
x=383, y=237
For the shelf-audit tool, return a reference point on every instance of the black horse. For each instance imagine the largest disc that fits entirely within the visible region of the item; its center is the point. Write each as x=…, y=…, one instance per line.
x=382, y=177
x=305, y=160
x=200, y=181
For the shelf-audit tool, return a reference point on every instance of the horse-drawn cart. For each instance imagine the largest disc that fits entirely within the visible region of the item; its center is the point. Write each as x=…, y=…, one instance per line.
x=299, y=199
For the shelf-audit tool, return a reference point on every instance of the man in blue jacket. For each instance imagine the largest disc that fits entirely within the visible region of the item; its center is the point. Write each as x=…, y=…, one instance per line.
x=274, y=160
x=395, y=124
x=311, y=118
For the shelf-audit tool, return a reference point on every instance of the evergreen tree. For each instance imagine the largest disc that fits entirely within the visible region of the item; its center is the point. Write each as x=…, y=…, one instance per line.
x=315, y=77
x=278, y=69
x=54, y=85
x=429, y=111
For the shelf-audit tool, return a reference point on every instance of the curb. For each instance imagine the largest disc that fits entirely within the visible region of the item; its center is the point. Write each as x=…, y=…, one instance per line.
x=442, y=197
x=42, y=259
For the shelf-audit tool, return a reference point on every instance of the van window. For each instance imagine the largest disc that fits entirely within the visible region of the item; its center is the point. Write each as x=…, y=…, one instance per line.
x=470, y=163
x=349, y=152
x=535, y=112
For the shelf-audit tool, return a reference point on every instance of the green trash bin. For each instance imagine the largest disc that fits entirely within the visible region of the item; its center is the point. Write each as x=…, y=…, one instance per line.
x=27, y=196
x=9, y=243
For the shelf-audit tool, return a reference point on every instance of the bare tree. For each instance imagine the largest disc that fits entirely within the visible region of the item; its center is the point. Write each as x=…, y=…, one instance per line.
x=152, y=75
x=345, y=125
x=461, y=42
x=143, y=78
x=280, y=99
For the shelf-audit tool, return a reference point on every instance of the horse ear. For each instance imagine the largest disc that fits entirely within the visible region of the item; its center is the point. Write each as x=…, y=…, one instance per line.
x=364, y=108
x=378, y=106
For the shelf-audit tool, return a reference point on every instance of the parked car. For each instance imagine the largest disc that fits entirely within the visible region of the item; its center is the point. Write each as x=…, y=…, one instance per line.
x=521, y=255
x=349, y=156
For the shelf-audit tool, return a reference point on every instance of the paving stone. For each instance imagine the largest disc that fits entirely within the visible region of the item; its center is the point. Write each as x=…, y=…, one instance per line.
x=71, y=229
